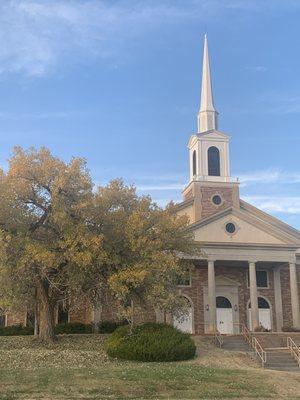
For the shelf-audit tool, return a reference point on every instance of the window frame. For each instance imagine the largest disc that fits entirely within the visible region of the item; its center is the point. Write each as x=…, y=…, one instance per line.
x=194, y=163
x=209, y=154
x=190, y=281
x=259, y=287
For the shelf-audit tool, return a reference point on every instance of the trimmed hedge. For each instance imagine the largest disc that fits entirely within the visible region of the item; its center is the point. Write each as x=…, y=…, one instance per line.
x=150, y=342
x=110, y=326
x=71, y=328
x=16, y=330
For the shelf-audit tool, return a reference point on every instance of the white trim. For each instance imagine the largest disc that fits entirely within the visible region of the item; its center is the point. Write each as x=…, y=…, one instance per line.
x=270, y=308
x=217, y=205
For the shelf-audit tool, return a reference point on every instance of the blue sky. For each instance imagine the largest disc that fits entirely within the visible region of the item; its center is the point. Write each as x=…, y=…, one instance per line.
x=118, y=82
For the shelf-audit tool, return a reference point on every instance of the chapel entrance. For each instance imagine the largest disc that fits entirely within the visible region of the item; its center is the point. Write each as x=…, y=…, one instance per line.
x=224, y=315
x=264, y=314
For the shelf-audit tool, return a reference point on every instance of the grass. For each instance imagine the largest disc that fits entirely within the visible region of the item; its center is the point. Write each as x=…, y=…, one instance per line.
x=76, y=367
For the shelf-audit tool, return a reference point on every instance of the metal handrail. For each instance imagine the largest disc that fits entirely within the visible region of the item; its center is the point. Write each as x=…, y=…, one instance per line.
x=218, y=338
x=259, y=351
x=247, y=334
x=294, y=349
x=254, y=343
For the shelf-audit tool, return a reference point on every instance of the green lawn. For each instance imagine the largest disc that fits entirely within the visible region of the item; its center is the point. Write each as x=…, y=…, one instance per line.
x=77, y=368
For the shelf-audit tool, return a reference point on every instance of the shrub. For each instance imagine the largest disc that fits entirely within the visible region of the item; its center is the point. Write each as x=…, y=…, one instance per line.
x=16, y=330
x=150, y=342
x=110, y=326
x=290, y=328
x=71, y=328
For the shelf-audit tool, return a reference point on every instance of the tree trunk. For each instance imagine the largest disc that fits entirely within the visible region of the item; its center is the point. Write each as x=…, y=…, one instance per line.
x=36, y=319
x=132, y=317
x=46, y=320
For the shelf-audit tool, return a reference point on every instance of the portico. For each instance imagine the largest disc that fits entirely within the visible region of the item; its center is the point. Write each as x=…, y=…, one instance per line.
x=269, y=263
x=248, y=272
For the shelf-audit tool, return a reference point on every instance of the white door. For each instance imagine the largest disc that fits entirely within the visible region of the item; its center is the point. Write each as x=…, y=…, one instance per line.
x=264, y=316
x=224, y=320
x=185, y=322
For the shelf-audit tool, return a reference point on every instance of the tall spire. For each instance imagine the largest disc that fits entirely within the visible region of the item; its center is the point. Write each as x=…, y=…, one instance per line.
x=207, y=116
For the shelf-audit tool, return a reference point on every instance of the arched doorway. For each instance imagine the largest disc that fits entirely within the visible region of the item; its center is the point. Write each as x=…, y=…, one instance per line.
x=264, y=313
x=184, y=322
x=224, y=315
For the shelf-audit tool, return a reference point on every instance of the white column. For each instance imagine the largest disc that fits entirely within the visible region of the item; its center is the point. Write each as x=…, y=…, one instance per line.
x=212, y=297
x=294, y=296
x=97, y=318
x=278, y=299
x=253, y=295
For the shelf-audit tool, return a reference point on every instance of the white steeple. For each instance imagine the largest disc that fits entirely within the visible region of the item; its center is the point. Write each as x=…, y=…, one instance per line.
x=207, y=116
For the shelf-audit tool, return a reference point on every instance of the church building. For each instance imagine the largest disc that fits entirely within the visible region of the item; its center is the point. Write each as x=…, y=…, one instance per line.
x=250, y=270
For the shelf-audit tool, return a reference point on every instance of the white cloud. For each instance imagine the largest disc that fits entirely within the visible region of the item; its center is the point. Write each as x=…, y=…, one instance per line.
x=162, y=187
x=269, y=176
x=257, y=68
x=38, y=35
x=276, y=204
x=35, y=35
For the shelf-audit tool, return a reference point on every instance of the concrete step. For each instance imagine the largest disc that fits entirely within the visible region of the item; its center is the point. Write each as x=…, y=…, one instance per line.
x=284, y=368
x=281, y=360
x=285, y=363
x=235, y=343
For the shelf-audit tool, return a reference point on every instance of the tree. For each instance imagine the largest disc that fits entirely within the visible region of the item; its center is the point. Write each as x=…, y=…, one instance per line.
x=42, y=209
x=145, y=245
x=60, y=240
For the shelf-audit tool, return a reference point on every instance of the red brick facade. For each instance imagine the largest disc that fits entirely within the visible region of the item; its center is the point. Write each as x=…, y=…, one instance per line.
x=195, y=293
x=208, y=207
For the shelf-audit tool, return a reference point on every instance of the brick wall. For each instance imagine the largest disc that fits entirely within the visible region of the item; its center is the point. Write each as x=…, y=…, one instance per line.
x=83, y=312
x=207, y=192
x=238, y=274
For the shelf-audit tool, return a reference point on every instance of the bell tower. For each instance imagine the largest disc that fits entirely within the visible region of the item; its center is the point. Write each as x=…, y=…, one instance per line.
x=210, y=184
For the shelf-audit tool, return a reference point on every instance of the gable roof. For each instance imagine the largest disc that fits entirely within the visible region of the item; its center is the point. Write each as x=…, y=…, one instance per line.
x=269, y=218
x=259, y=222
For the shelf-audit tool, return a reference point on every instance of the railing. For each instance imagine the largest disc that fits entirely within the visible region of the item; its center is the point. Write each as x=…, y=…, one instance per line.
x=294, y=349
x=259, y=351
x=247, y=334
x=218, y=339
x=254, y=343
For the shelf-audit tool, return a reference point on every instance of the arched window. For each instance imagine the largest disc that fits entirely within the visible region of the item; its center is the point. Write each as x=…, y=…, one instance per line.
x=194, y=163
x=223, y=302
x=213, y=156
x=262, y=303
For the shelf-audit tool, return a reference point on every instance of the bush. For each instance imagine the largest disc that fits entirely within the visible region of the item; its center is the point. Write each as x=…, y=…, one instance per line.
x=71, y=328
x=150, y=342
x=110, y=326
x=290, y=328
x=16, y=330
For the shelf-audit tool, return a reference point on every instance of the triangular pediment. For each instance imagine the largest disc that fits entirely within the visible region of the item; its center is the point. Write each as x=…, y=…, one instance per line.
x=209, y=135
x=214, y=134
x=249, y=230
